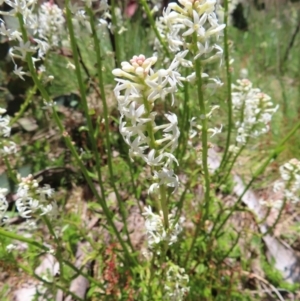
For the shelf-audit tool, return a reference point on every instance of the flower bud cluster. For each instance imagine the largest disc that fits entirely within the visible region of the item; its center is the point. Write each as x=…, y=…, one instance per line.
x=191, y=30
x=290, y=180
x=253, y=109
x=176, y=286
x=156, y=231
x=7, y=147
x=137, y=90
x=44, y=27
x=192, y=18
x=50, y=23
x=31, y=198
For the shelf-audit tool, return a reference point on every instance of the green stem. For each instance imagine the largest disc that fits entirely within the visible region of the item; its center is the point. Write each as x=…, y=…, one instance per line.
x=24, y=105
x=164, y=205
x=59, y=247
x=184, y=124
x=204, y=138
x=18, y=237
x=195, y=236
x=149, y=124
x=97, y=45
x=228, y=76
x=154, y=27
x=116, y=35
x=277, y=219
x=11, y=173
x=84, y=103
x=224, y=179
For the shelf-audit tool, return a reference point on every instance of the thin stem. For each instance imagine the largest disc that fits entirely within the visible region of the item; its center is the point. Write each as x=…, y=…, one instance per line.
x=197, y=231
x=149, y=126
x=164, y=205
x=270, y=229
x=228, y=77
x=115, y=34
x=11, y=173
x=97, y=45
x=24, y=105
x=18, y=237
x=204, y=139
x=59, y=247
x=83, y=95
x=231, y=248
x=154, y=27
x=224, y=179
x=184, y=124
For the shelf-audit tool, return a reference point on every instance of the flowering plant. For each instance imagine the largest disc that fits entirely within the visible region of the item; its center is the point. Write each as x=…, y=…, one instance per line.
x=129, y=197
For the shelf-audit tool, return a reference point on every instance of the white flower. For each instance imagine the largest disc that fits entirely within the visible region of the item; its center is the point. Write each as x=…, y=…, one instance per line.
x=176, y=285
x=134, y=114
x=171, y=127
x=8, y=147
x=253, y=110
x=138, y=87
x=167, y=177
x=4, y=126
x=180, y=59
x=11, y=247
x=31, y=199
x=19, y=72
x=152, y=161
x=42, y=47
x=158, y=88
x=196, y=25
x=290, y=183
x=215, y=131
x=156, y=232
x=129, y=87
x=70, y=66
x=23, y=49
x=137, y=148
x=180, y=24
x=3, y=202
x=51, y=23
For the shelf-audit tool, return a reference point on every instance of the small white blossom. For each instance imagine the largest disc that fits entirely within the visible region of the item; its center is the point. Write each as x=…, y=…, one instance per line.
x=31, y=198
x=18, y=71
x=253, y=110
x=156, y=232
x=215, y=131
x=276, y=204
x=176, y=286
x=3, y=202
x=9, y=248
x=290, y=180
x=181, y=23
